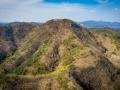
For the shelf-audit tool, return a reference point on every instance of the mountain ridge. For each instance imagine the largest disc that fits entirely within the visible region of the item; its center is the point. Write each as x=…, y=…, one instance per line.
x=59, y=55
x=88, y=24
x=101, y=24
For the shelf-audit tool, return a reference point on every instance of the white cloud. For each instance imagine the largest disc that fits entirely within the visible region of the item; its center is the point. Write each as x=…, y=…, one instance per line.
x=116, y=9
x=8, y=3
x=102, y=1
x=36, y=10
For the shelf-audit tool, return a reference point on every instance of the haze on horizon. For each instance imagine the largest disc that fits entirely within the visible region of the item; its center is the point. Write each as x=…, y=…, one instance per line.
x=43, y=10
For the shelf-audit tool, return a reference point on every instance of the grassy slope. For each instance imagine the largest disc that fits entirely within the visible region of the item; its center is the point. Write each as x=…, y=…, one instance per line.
x=72, y=49
x=114, y=35
x=31, y=66
x=32, y=61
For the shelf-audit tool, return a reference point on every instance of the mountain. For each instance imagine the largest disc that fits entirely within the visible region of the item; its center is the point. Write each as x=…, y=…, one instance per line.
x=101, y=24
x=11, y=35
x=58, y=55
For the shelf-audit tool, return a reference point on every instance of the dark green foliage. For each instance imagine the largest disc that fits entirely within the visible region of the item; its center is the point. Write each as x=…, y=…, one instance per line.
x=19, y=71
x=3, y=80
x=32, y=61
x=40, y=69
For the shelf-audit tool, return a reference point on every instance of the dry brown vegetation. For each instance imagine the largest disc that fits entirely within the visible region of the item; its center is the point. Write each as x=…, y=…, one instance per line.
x=58, y=55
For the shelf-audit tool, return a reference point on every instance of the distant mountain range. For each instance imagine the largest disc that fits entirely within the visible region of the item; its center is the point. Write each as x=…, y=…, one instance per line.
x=88, y=24
x=100, y=24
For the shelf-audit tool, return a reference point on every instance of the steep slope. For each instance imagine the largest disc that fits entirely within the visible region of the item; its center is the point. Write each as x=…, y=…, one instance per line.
x=11, y=35
x=111, y=42
x=59, y=55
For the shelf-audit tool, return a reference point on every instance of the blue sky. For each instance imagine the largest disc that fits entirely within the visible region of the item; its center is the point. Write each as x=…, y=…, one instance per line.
x=43, y=10
x=87, y=2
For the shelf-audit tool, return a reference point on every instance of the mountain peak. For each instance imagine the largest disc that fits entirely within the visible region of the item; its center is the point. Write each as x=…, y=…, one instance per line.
x=62, y=23
x=60, y=20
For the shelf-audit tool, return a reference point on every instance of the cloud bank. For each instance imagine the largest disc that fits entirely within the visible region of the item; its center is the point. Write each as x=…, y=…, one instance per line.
x=39, y=11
